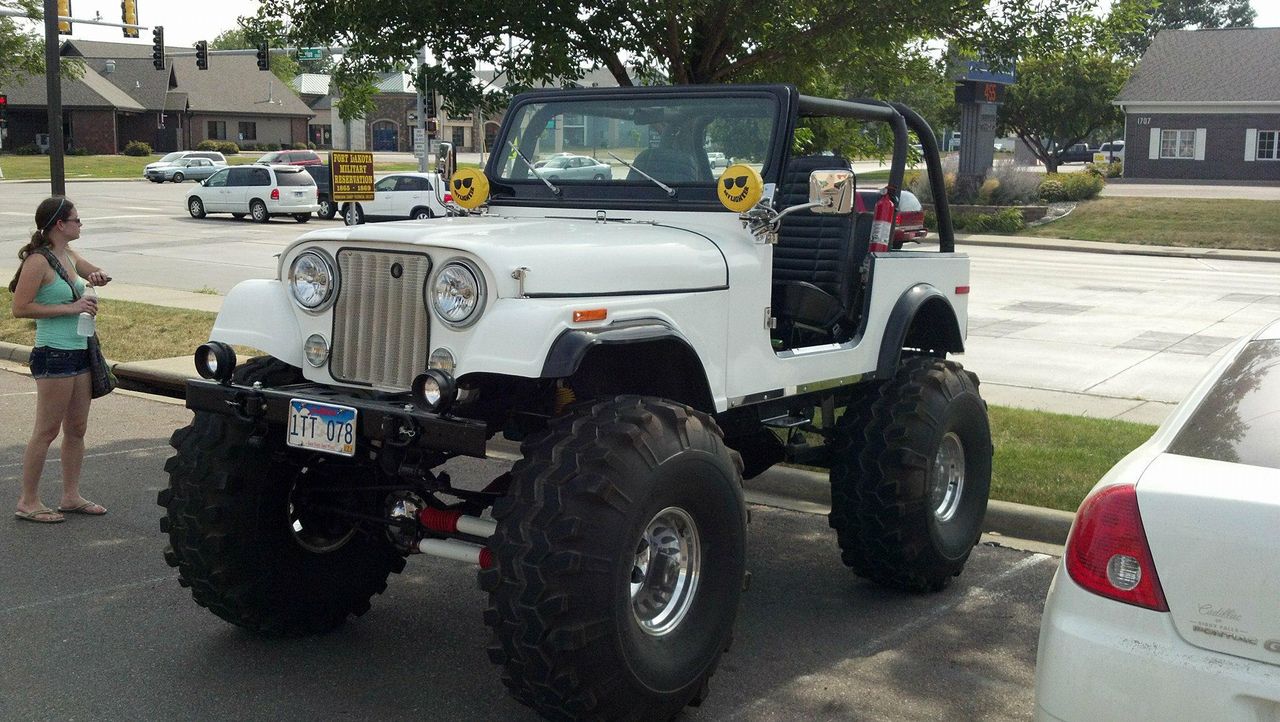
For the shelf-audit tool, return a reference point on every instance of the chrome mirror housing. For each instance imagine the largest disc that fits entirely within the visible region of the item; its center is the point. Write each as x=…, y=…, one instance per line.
x=831, y=191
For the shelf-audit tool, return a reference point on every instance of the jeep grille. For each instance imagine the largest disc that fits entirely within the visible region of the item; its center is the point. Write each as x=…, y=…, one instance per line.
x=381, y=326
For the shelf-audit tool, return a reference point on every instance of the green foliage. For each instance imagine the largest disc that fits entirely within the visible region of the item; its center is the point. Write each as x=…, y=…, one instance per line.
x=1008, y=220
x=207, y=145
x=1142, y=19
x=1082, y=186
x=1053, y=190
x=22, y=49
x=227, y=147
x=138, y=148
x=28, y=149
x=299, y=146
x=284, y=67
x=79, y=151
x=1113, y=169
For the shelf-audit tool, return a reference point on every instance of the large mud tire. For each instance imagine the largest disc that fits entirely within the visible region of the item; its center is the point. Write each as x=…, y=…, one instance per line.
x=910, y=476
x=232, y=532
x=574, y=625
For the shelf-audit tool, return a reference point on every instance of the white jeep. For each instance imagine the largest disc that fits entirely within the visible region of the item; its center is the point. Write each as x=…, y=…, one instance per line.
x=650, y=338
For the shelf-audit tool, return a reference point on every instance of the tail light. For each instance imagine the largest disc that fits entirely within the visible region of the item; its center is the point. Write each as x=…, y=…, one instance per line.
x=1107, y=552
x=448, y=197
x=275, y=194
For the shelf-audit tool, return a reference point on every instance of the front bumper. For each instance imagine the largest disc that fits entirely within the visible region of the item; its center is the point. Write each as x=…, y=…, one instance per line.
x=390, y=421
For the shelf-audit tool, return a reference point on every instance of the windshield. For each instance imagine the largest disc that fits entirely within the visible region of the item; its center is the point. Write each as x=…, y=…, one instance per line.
x=673, y=140
x=171, y=157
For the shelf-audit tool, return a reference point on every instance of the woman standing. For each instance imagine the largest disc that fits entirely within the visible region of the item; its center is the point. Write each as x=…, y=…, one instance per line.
x=60, y=359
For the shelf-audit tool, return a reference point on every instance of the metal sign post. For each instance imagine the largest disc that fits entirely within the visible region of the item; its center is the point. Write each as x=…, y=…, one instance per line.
x=53, y=89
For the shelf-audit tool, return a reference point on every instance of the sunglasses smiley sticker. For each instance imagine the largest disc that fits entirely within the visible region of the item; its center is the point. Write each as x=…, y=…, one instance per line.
x=469, y=187
x=740, y=188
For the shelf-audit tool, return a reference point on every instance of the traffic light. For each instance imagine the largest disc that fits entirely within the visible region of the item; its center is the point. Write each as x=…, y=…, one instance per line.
x=202, y=54
x=431, y=105
x=64, y=11
x=4, y=109
x=129, y=16
x=432, y=126
x=264, y=56
x=157, y=47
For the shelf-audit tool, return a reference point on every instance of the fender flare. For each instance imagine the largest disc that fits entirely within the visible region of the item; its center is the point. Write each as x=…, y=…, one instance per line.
x=939, y=329
x=573, y=346
x=253, y=306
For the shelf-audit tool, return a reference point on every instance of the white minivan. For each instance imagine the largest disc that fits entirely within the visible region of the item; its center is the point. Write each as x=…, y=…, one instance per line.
x=257, y=191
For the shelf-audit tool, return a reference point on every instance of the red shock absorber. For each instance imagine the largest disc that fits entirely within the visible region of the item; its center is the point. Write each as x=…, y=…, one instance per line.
x=882, y=223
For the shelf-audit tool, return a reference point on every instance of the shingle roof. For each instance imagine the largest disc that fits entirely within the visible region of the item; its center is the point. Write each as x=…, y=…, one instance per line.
x=91, y=91
x=233, y=84
x=1236, y=65
x=312, y=84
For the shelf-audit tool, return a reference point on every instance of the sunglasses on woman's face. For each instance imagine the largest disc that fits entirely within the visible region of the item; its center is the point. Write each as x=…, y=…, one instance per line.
x=75, y=220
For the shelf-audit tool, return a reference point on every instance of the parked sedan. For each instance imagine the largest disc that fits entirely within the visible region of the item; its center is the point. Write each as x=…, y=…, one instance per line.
x=575, y=167
x=290, y=157
x=1165, y=605
x=398, y=197
x=909, y=223
x=180, y=170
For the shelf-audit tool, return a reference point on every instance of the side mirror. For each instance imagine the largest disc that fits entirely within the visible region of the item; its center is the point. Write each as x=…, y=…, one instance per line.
x=832, y=191
x=204, y=182
x=446, y=162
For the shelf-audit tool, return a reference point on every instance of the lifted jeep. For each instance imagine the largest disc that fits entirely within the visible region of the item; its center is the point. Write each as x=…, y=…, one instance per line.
x=650, y=336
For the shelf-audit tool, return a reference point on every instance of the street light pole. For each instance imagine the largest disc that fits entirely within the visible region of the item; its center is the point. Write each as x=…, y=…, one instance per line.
x=53, y=90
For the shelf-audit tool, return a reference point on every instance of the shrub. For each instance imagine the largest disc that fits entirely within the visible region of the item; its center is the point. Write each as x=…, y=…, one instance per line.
x=249, y=146
x=1082, y=186
x=208, y=145
x=79, y=151
x=269, y=147
x=1114, y=169
x=1009, y=220
x=226, y=147
x=299, y=146
x=1052, y=190
x=137, y=147
x=1016, y=187
x=986, y=193
x=311, y=146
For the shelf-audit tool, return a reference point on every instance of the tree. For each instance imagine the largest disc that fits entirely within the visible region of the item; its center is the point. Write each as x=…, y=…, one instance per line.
x=1062, y=98
x=676, y=41
x=283, y=66
x=22, y=51
x=1176, y=15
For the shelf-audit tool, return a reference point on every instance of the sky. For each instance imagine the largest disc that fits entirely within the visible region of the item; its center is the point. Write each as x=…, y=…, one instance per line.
x=185, y=21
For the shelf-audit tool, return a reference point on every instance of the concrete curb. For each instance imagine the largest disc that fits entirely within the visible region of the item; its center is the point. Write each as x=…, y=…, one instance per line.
x=780, y=486
x=1125, y=249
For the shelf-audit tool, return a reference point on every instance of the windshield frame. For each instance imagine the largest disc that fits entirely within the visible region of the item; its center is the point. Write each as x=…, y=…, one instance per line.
x=633, y=195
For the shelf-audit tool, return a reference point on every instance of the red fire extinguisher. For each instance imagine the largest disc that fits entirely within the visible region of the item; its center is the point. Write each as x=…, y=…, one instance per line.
x=882, y=223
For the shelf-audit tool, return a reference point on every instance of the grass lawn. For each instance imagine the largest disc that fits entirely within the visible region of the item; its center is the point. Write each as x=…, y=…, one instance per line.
x=1041, y=459
x=1187, y=222
x=29, y=167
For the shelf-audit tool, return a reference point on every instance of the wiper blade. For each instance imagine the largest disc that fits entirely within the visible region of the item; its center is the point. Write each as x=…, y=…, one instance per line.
x=554, y=189
x=670, y=191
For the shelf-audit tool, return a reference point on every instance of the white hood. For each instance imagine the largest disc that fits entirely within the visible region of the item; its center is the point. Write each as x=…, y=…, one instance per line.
x=564, y=256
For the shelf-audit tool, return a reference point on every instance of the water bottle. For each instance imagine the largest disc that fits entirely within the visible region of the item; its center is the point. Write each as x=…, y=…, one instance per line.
x=85, y=324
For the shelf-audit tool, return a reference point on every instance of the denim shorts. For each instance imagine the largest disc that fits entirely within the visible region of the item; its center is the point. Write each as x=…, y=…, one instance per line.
x=58, y=363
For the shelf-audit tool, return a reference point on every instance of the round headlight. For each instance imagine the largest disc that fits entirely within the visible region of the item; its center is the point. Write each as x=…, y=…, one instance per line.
x=311, y=280
x=456, y=294
x=316, y=350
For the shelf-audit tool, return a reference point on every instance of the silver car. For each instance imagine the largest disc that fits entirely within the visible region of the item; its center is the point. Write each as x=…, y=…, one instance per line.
x=180, y=170
x=575, y=167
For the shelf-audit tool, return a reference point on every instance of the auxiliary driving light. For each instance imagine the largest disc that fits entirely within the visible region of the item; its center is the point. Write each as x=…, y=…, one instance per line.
x=215, y=360
x=316, y=349
x=434, y=391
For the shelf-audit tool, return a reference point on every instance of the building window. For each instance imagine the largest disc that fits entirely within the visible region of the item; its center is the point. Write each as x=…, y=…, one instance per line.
x=248, y=131
x=217, y=130
x=1268, y=145
x=575, y=127
x=459, y=136
x=1178, y=144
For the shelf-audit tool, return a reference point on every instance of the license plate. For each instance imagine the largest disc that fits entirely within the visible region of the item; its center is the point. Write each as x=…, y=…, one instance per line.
x=299, y=194
x=322, y=427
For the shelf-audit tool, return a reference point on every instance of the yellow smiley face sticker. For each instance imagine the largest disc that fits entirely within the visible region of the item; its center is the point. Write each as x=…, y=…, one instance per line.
x=740, y=188
x=469, y=187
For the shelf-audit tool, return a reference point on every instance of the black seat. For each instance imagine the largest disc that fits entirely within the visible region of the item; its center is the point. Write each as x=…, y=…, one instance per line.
x=666, y=165
x=815, y=262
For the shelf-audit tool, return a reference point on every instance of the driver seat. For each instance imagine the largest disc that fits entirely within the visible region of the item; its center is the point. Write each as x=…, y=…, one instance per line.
x=816, y=283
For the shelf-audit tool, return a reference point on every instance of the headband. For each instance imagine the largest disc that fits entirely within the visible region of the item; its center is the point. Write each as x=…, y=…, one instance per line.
x=54, y=218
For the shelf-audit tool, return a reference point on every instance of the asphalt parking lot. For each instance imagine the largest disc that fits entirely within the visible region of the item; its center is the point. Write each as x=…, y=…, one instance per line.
x=96, y=626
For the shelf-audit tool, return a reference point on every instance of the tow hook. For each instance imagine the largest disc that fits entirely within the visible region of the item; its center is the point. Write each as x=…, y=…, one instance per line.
x=248, y=406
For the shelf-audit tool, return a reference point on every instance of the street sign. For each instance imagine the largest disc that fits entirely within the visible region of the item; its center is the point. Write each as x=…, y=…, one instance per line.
x=419, y=141
x=351, y=176
x=979, y=71
x=309, y=53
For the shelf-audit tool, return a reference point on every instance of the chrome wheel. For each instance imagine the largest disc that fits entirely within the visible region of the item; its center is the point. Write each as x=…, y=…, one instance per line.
x=258, y=210
x=195, y=208
x=948, y=477
x=665, y=573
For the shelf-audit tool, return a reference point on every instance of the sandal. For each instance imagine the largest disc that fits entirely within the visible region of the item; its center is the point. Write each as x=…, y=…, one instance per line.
x=43, y=515
x=88, y=507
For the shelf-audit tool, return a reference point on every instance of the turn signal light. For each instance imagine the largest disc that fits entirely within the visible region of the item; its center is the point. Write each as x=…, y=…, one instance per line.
x=1107, y=552
x=591, y=314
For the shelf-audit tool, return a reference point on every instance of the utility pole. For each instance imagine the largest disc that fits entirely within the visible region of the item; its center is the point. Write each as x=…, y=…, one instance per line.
x=53, y=89
x=419, y=132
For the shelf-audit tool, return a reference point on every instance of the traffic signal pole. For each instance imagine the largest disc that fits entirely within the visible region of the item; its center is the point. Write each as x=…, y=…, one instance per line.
x=53, y=89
